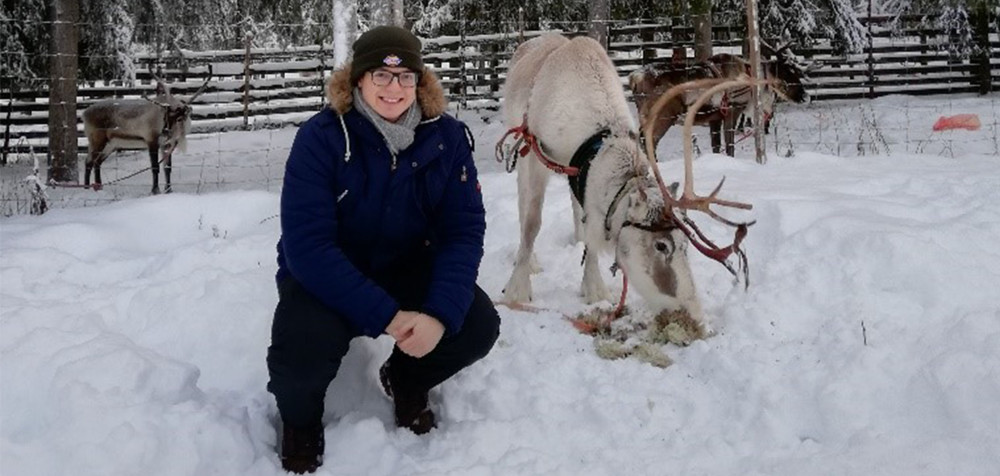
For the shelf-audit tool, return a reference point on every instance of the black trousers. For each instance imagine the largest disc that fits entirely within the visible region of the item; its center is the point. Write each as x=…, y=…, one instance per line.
x=308, y=341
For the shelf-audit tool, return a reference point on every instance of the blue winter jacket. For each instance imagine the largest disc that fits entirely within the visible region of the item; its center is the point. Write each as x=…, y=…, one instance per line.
x=347, y=218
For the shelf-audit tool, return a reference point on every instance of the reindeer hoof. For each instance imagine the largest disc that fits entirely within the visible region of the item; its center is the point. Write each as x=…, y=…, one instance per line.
x=155, y=191
x=97, y=187
x=595, y=294
x=518, y=288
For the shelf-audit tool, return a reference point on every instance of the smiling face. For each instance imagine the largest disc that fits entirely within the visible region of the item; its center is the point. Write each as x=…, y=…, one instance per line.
x=389, y=101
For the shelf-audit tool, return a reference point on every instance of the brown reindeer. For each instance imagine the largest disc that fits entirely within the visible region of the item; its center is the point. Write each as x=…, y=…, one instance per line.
x=157, y=124
x=722, y=111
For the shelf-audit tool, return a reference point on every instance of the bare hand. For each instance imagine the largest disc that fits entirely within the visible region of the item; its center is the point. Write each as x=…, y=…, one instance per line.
x=416, y=334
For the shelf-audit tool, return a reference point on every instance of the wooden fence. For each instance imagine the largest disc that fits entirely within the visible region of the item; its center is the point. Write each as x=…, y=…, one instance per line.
x=256, y=88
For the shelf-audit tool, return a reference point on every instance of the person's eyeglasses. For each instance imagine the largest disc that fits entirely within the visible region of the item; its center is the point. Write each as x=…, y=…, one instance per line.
x=407, y=79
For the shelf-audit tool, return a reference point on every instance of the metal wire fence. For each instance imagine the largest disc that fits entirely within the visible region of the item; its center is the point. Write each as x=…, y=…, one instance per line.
x=244, y=122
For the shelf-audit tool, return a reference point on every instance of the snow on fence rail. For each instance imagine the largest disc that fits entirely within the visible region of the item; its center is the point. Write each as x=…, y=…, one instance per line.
x=285, y=86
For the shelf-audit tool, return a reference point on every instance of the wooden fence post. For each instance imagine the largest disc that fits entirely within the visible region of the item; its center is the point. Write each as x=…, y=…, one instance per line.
x=600, y=12
x=63, y=138
x=246, y=84
x=871, y=55
x=6, y=128
x=520, y=24
x=648, y=54
x=461, y=56
x=755, y=73
x=494, y=67
x=701, y=16
x=322, y=73
x=981, y=57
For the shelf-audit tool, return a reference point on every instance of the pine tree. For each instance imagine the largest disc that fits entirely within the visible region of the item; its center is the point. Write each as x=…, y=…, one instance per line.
x=107, y=38
x=24, y=41
x=780, y=20
x=345, y=27
x=954, y=20
x=431, y=16
x=843, y=28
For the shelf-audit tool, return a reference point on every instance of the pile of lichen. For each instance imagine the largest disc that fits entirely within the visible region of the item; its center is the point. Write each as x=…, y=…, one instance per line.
x=642, y=340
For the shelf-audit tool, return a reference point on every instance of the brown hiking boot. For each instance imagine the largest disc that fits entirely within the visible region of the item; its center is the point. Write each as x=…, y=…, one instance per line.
x=302, y=448
x=412, y=408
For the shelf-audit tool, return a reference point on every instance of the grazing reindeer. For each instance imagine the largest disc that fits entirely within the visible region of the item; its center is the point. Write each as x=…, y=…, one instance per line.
x=564, y=103
x=158, y=124
x=721, y=113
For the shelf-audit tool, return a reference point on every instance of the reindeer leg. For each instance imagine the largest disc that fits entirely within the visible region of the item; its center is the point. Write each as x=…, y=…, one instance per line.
x=593, y=287
x=729, y=124
x=168, y=157
x=714, y=127
x=154, y=165
x=101, y=157
x=531, y=181
x=743, y=123
x=661, y=127
x=91, y=158
x=578, y=218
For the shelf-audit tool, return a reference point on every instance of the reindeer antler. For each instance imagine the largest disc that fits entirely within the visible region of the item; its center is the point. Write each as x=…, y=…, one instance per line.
x=202, y=88
x=688, y=199
x=159, y=81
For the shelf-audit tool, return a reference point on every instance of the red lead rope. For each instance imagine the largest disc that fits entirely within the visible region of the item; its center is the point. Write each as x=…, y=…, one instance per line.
x=767, y=117
x=531, y=143
x=604, y=322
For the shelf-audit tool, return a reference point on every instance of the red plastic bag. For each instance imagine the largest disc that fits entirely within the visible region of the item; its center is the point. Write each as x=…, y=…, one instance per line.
x=961, y=121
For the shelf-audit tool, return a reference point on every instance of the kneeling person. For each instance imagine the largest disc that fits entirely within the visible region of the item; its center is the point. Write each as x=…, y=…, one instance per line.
x=382, y=226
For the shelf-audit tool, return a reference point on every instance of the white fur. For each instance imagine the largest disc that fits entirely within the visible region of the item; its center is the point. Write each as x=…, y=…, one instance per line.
x=569, y=91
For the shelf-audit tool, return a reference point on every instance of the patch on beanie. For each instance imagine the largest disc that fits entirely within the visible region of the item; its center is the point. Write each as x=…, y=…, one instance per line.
x=392, y=60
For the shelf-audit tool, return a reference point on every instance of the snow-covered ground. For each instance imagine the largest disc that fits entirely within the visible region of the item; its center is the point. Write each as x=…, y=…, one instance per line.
x=133, y=332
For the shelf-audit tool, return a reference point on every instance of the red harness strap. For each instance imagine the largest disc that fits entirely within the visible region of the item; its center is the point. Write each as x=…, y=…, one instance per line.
x=724, y=107
x=531, y=143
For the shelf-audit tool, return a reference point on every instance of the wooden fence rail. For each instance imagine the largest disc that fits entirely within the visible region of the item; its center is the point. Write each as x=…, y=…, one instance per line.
x=285, y=87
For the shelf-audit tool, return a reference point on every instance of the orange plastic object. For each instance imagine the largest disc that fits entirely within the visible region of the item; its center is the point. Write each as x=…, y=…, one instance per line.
x=961, y=121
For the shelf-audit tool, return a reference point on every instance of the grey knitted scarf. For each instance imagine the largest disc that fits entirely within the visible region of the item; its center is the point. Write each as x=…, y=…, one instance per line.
x=399, y=135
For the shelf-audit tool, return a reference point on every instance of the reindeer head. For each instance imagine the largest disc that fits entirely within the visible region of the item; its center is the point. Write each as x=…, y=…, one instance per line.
x=786, y=72
x=176, y=113
x=653, y=252
x=675, y=207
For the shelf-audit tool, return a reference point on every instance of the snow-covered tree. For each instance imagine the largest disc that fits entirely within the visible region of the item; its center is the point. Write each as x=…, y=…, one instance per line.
x=345, y=27
x=954, y=19
x=780, y=20
x=848, y=35
x=106, y=40
x=431, y=16
x=387, y=12
x=24, y=41
x=449, y=17
x=646, y=9
x=598, y=15
x=789, y=20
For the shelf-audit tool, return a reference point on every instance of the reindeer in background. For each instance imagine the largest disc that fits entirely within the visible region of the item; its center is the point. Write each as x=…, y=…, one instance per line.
x=720, y=114
x=157, y=124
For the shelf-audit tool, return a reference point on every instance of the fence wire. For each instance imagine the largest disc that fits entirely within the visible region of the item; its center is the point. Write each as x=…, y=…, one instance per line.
x=243, y=127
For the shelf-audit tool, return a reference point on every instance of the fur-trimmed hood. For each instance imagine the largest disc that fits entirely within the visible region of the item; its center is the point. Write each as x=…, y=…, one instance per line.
x=430, y=95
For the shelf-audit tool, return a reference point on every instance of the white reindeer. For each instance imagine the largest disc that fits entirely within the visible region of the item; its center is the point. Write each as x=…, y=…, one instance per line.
x=568, y=104
x=157, y=124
